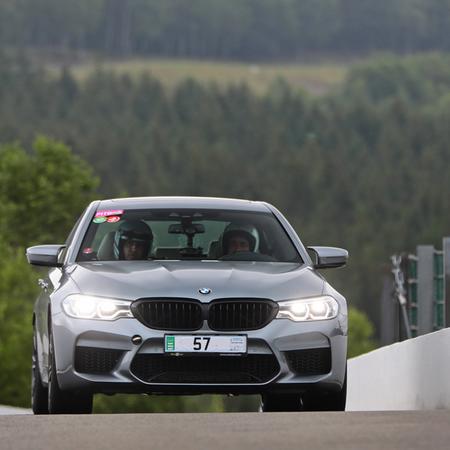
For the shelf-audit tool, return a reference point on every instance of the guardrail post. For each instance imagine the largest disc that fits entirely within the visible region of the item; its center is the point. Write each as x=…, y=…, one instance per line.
x=425, y=304
x=389, y=326
x=412, y=283
x=439, y=290
x=446, y=270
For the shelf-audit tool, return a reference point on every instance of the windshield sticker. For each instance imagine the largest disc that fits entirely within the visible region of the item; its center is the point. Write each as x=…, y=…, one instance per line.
x=112, y=219
x=109, y=212
x=88, y=250
x=99, y=219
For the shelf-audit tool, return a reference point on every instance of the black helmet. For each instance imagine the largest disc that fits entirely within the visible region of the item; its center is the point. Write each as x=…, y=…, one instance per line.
x=240, y=233
x=134, y=230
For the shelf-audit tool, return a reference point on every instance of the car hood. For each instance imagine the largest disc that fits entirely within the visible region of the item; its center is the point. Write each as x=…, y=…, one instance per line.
x=138, y=279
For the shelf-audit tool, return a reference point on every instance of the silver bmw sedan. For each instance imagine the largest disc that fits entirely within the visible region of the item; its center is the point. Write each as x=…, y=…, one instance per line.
x=187, y=295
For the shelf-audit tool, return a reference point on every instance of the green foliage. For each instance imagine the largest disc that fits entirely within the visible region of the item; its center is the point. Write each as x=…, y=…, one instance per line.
x=360, y=333
x=42, y=193
x=232, y=29
x=417, y=80
x=161, y=404
x=360, y=168
x=17, y=289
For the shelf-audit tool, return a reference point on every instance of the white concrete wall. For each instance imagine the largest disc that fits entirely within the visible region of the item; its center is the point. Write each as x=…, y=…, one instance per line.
x=11, y=410
x=410, y=375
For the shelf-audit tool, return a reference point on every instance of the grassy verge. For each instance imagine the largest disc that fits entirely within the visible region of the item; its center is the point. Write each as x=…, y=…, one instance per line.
x=317, y=78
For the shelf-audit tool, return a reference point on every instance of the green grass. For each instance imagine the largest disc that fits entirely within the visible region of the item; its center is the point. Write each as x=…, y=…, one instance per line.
x=316, y=78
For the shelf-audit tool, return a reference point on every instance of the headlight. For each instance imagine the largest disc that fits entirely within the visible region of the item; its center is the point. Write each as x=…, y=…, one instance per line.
x=89, y=307
x=306, y=309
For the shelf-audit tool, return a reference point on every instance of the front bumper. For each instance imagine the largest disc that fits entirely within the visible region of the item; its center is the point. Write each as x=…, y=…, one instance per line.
x=278, y=338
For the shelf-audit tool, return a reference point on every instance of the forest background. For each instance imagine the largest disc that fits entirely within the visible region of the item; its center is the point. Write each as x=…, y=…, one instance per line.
x=362, y=166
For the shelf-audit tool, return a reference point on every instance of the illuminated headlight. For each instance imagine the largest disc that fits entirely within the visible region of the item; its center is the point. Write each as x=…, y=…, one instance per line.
x=306, y=309
x=101, y=308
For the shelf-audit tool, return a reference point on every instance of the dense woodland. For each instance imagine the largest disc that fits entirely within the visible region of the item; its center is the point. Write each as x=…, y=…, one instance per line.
x=362, y=168
x=365, y=168
x=232, y=29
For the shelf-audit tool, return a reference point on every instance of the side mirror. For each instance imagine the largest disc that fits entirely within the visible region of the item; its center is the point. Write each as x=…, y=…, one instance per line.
x=44, y=255
x=329, y=257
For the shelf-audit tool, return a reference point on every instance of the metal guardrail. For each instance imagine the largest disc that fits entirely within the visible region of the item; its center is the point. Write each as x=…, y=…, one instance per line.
x=438, y=291
x=420, y=294
x=411, y=293
x=400, y=292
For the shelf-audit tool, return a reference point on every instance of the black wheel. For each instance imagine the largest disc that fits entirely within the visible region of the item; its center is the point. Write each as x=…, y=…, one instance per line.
x=280, y=402
x=328, y=401
x=64, y=402
x=39, y=393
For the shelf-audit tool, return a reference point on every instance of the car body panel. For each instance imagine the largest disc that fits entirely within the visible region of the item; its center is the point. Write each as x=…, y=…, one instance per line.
x=136, y=279
x=289, y=336
x=132, y=280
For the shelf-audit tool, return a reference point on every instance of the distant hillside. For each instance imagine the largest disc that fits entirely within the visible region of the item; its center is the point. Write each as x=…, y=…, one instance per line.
x=362, y=168
x=228, y=30
x=317, y=79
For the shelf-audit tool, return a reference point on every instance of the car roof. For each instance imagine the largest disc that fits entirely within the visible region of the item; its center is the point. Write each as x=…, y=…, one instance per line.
x=182, y=202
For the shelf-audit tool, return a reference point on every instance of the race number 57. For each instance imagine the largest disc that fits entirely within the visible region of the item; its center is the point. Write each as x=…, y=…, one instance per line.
x=201, y=343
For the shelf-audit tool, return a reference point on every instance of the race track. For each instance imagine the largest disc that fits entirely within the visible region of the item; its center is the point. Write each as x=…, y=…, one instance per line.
x=408, y=430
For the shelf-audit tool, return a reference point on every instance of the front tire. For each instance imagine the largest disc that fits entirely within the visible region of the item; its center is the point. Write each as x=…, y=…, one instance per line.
x=280, y=402
x=39, y=393
x=329, y=401
x=64, y=402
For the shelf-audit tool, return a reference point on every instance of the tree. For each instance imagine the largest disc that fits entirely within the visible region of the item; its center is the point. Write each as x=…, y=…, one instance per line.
x=360, y=333
x=117, y=27
x=18, y=287
x=41, y=193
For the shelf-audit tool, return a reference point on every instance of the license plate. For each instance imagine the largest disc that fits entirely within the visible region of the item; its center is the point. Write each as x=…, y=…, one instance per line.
x=196, y=343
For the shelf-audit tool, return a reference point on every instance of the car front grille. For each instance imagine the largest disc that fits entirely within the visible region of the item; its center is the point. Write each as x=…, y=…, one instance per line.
x=169, y=314
x=241, y=314
x=315, y=361
x=232, y=314
x=205, y=369
x=96, y=360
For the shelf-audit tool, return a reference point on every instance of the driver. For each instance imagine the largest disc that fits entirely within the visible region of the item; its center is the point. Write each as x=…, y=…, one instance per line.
x=238, y=240
x=132, y=240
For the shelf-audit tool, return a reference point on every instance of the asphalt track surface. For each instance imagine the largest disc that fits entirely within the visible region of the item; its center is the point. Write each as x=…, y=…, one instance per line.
x=352, y=430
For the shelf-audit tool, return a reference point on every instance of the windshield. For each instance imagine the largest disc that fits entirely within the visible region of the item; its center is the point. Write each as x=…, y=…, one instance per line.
x=174, y=234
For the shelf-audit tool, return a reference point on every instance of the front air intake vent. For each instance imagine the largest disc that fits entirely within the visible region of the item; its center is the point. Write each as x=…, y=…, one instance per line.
x=314, y=361
x=205, y=369
x=96, y=360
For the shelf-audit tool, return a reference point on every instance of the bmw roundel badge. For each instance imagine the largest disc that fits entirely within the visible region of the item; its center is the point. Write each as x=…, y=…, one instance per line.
x=204, y=291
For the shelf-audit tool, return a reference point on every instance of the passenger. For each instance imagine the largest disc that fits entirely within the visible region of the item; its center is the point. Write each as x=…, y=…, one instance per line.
x=132, y=240
x=236, y=240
